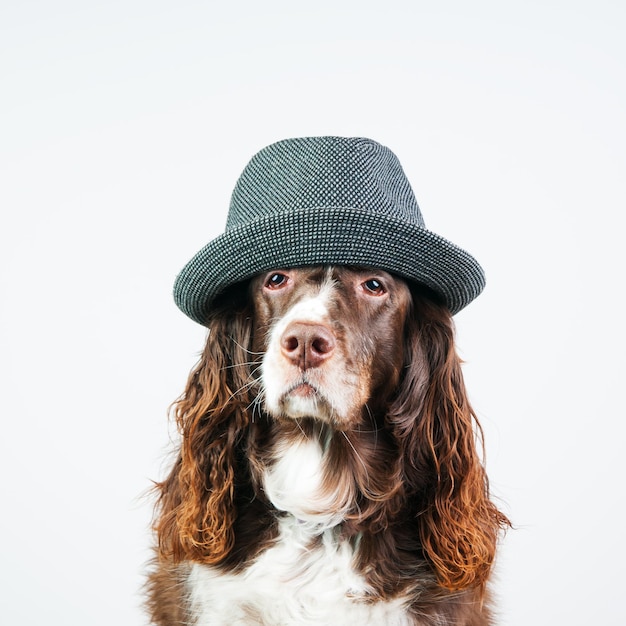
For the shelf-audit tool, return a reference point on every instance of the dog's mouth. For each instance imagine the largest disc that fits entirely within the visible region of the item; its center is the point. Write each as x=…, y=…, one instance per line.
x=303, y=399
x=302, y=390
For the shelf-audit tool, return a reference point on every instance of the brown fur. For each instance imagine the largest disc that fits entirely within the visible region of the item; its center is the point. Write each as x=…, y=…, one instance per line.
x=410, y=468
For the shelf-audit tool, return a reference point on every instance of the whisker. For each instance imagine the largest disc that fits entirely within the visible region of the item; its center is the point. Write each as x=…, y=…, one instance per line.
x=242, y=388
x=357, y=455
x=255, y=406
x=299, y=425
x=375, y=426
x=247, y=350
x=242, y=364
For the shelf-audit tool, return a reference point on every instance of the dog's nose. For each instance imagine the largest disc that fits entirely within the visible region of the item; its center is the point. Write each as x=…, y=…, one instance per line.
x=307, y=345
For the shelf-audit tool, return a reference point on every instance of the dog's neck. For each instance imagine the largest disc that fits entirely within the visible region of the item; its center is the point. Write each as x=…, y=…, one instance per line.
x=299, y=479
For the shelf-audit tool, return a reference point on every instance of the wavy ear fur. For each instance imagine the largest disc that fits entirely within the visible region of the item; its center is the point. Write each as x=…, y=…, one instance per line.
x=196, y=503
x=437, y=431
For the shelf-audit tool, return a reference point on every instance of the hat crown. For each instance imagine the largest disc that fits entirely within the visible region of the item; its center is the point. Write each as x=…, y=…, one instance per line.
x=323, y=172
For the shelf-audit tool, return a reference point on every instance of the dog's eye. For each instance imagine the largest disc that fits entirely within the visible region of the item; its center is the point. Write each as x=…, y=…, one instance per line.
x=276, y=281
x=374, y=287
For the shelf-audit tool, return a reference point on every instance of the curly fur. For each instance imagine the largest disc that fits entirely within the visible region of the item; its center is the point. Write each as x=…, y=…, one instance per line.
x=404, y=490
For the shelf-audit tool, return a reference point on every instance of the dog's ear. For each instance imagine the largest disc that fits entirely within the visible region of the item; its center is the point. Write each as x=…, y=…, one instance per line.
x=196, y=505
x=438, y=431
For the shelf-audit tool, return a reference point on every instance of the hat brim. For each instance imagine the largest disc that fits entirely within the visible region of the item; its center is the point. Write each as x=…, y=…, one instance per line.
x=327, y=236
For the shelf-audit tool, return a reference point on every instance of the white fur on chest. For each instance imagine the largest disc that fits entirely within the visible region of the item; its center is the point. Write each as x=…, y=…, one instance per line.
x=307, y=575
x=294, y=484
x=291, y=584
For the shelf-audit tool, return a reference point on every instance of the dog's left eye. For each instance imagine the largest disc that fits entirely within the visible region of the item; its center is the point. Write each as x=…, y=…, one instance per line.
x=276, y=280
x=374, y=287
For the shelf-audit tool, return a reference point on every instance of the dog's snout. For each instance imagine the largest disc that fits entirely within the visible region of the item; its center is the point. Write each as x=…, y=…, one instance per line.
x=307, y=345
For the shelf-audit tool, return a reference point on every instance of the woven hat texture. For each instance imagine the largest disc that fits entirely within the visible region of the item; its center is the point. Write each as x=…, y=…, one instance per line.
x=326, y=201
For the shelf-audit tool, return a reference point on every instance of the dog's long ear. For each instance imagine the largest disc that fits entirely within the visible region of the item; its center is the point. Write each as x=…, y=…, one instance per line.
x=437, y=431
x=196, y=503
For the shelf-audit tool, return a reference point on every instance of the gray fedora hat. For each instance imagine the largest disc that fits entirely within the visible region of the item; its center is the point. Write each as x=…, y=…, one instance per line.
x=326, y=201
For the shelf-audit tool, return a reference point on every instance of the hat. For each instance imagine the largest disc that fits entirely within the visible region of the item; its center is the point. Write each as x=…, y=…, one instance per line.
x=326, y=201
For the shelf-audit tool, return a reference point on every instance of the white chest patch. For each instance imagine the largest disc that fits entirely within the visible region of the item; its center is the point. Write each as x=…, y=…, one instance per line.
x=307, y=576
x=292, y=583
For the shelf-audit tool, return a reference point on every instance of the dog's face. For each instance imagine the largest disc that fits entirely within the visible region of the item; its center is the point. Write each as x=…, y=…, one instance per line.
x=330, y=340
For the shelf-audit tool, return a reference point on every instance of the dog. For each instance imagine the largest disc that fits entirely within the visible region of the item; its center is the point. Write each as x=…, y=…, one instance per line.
x=328, y=470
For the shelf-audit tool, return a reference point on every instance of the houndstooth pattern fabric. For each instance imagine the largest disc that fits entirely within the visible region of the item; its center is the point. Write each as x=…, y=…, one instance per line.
x=326, y=200
x=322, y=172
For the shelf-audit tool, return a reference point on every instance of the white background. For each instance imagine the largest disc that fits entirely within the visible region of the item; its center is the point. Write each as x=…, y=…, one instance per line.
x=124, y=126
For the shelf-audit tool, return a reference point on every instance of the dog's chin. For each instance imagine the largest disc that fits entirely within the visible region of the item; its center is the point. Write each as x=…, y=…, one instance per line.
x=304, y=401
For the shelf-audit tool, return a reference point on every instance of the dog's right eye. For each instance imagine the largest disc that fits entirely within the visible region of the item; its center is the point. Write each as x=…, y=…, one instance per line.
x=276, y=281
x=374, y=287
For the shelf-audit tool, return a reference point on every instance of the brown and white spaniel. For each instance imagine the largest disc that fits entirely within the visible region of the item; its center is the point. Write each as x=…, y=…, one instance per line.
x=328, y=472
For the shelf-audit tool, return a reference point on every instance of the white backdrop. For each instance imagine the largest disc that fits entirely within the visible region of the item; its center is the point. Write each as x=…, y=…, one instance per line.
x=124, y=127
